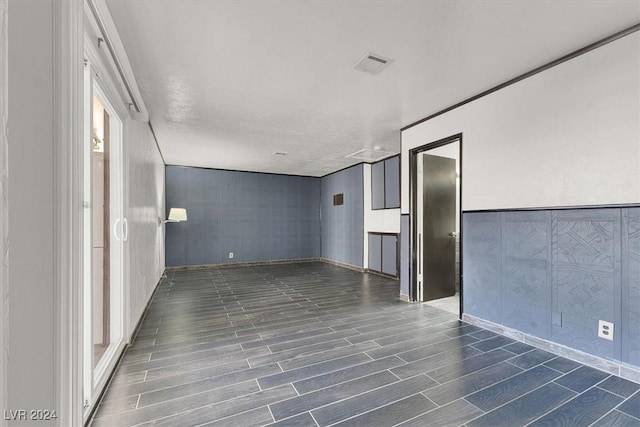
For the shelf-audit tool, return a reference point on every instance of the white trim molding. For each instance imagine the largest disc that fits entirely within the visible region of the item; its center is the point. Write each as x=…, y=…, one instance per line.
x=68, y=74
x=4, y=207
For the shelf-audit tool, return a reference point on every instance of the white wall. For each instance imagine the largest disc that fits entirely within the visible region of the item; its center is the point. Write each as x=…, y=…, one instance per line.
x=31, y=376
x=37, y=375
x=568, y=136
x=4, y=209
x=379, y=220
x=145, y=204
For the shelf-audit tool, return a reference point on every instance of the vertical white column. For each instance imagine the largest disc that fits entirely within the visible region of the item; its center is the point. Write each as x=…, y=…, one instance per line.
x=4, y=209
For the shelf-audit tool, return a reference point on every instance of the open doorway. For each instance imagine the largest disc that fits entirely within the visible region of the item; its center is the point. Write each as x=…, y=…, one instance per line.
x=435, y=209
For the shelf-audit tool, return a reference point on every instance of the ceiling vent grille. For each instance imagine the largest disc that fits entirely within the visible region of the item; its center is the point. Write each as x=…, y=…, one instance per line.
x=372, y=63
x=369, y=155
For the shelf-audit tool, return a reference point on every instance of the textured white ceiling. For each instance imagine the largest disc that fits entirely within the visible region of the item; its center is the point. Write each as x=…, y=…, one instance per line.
x=228, y=83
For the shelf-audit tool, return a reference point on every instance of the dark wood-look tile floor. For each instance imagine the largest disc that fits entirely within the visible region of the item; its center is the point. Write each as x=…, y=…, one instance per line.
x=312, y=344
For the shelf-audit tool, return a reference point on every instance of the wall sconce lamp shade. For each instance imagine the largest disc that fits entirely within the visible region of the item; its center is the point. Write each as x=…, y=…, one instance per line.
x=177, y=215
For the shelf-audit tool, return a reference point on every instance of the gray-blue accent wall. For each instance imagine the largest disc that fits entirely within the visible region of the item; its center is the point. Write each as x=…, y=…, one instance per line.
x=343, y=225
x=554, y=273
x=257, y=216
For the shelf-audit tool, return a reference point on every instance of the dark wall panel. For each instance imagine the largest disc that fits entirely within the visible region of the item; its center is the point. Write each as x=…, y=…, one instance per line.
x=377, y=185
x=258, y=217
x=390, y=255
x=482, y=265
x=375, y=252
x=343, y=225
x=555, y=273
x=587, y=278
x=405, y=249
x=392, y=182
x=526, y=276
x=631, y=286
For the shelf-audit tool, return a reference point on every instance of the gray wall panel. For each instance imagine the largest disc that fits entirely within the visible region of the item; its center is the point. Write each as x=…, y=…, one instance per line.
x=392, y=182
x=175, y=234
x=390, y=255
x=560, y=272
x=631, y=287
x=258, y=217
x=405, y=256
x=526, y=273
x=482, y=265
x=375, y=252
x=343, y=225
x=377, y=185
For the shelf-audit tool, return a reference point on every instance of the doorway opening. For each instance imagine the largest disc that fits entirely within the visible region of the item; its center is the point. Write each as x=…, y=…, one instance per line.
x=104, y=233
x=436, y=183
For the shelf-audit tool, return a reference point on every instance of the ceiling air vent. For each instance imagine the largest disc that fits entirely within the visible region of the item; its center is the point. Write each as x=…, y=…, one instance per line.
x=280, y=153
x=369, y=155
x=372, y=63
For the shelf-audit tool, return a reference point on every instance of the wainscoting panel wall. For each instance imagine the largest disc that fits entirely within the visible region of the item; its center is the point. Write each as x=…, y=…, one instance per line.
x=255, y=216
x=343, y=225
x=526, y=275
x=555, y=273
x=631, y=286
x=482, y=265
x=586, y=278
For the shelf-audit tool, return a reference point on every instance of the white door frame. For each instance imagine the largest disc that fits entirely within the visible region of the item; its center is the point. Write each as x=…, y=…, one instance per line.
x=95, y=378
x=67, y=37
x=415, y=222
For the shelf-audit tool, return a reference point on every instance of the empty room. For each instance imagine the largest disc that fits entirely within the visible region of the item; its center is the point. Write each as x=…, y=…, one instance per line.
x=318, y=213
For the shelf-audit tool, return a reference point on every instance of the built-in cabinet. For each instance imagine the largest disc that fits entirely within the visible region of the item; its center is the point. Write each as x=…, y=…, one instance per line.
x=385, y=184
x=383, y=253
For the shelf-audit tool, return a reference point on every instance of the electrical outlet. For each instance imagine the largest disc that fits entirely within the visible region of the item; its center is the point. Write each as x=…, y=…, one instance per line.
x=230, y=254
x=605, y=330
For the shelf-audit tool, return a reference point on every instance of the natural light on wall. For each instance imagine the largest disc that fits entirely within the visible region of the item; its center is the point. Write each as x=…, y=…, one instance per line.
x=97, y=136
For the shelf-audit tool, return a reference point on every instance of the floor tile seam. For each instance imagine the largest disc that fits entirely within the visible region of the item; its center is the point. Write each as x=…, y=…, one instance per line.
x=164, y=402
x=582, y=393
x=435, y=354
x=575, y=394
x=614, y=393
x=625, y=400
x=392, y=333
x=485, y=387
x=475, y=371
x=350, y=417
x=186, y=343
x=294, y=339
x=196, y=351
x=472, y=404
x=592, y=385
x=191, y=372
x=557, y=406
x=179, y=363
x=184, y=384
x=563, y=373
x=602, y=417
x=326, y=360
x=348, y=397
x=190, y=328
x=307, y=345
x=327, y=373
x=527, y=368
x=430, y=410
x=303, y=347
